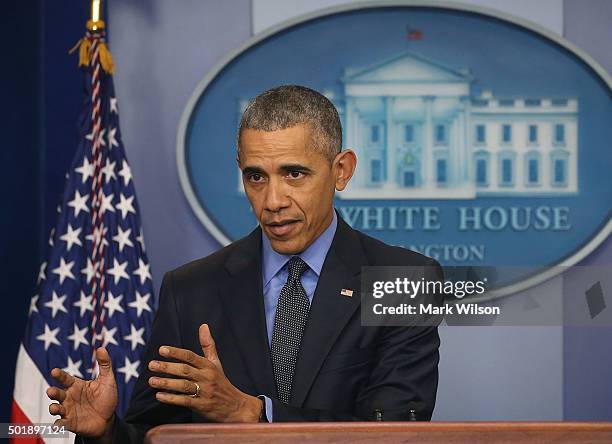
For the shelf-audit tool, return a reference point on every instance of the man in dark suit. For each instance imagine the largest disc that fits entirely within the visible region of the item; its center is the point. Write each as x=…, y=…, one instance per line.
x=288, y=341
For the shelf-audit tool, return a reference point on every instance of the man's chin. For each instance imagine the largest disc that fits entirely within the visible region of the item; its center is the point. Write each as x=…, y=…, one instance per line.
x=286, y=246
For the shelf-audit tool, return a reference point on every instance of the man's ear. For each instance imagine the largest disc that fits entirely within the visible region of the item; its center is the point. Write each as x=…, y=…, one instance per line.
x=344, y=166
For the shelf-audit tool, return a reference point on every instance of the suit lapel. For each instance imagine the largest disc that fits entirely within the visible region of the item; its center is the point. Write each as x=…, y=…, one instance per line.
x=330, y=311
x=243, y=302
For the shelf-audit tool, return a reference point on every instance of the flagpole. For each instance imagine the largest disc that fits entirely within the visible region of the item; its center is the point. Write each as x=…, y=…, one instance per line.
x=96, y=23
x=95, y=29
x=96, y=58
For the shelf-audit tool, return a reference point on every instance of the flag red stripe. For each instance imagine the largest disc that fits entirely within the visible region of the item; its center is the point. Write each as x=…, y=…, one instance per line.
x=17, y=416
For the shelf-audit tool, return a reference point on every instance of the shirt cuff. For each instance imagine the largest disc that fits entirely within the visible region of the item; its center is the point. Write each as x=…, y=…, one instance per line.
x=268, y=413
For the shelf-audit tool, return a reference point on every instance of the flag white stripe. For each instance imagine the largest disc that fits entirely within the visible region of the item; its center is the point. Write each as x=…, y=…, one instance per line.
x=31, y=396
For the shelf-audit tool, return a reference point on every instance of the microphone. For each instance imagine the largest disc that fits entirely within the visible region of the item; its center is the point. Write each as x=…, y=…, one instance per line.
x=414, y=410
x=377, y=415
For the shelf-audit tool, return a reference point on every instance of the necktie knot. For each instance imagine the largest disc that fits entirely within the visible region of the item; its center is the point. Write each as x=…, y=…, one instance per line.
x=296, y=267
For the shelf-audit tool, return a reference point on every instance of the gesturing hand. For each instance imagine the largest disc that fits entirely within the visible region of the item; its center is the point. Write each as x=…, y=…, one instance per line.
x=85, y=407
x=216, y=399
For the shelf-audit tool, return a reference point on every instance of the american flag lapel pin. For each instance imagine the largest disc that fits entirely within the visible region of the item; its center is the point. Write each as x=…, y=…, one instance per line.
x=346, y=292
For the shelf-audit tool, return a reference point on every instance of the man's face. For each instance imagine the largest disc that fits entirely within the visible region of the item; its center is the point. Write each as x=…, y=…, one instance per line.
x=290, y=186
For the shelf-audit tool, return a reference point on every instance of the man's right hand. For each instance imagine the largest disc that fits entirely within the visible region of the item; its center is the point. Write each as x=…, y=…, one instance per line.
x=86, y=407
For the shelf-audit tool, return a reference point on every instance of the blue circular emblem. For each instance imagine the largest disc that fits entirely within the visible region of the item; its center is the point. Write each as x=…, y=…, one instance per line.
x=481, y=140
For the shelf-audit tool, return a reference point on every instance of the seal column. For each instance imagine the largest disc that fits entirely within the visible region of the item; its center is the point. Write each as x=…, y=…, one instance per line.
x=427, y=154
x=390, y=142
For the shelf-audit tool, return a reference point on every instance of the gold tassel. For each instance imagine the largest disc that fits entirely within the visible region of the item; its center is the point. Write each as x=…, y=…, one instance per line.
x=84, y=52
x=84, y=45
x=106, y=59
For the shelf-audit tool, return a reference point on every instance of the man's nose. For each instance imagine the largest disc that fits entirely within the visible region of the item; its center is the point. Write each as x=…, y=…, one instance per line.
x=276, y=196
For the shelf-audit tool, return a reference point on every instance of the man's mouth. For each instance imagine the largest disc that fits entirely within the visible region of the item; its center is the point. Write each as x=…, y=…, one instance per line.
x=282, y=228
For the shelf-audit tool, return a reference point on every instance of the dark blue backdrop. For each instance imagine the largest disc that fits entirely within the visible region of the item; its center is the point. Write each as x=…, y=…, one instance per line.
x=41, y=91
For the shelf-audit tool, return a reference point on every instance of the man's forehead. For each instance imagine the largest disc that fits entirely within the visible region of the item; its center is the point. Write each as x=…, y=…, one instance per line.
x=290, y=144
x=293, y=135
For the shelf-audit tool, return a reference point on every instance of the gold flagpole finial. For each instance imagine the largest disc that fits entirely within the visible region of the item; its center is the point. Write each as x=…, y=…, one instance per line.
x=95, y=38
x=96, y=23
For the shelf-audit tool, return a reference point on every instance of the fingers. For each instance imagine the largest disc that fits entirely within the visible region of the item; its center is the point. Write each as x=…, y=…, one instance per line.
x=208, y=343
x=180, y=369
x=62, y=377
x=175, y=385
x=180, y=354
x=57, y=409
x=180, y=400
x=56, y=394
x=104, y=363
x=61, y=422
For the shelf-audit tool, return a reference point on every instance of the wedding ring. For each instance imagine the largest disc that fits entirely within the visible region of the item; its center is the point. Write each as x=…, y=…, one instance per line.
x=197, y=392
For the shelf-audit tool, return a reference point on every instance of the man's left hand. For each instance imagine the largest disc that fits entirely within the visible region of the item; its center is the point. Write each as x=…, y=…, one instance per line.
x=217, y=399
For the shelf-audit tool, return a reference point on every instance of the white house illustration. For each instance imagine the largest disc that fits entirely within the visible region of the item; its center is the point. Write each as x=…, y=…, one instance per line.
x=418, y=132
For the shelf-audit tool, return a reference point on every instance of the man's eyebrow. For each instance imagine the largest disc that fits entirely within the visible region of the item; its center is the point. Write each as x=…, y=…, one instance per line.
x=295, y=167
x=252, y=170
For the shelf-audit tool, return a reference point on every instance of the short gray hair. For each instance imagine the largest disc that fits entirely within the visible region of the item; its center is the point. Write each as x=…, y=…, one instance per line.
x=289, y=105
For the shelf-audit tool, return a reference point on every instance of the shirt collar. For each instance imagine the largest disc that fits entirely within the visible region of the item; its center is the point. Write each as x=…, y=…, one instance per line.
x=314, y=255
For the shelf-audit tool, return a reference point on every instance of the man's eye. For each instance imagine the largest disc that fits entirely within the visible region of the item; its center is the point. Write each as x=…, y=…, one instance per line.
x=295, y=174
x=255, y=178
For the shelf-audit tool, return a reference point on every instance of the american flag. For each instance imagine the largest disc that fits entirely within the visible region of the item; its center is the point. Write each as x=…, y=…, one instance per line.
x=94, y=289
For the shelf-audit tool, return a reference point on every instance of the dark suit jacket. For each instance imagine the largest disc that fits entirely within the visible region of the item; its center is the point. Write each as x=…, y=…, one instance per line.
x=344, y=370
